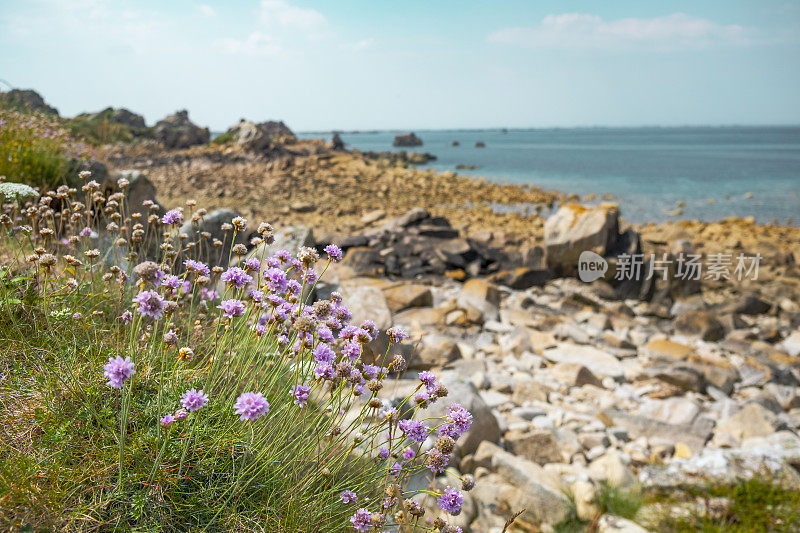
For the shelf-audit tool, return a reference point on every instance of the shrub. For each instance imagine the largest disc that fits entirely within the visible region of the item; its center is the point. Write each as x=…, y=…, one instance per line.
x=142, y=398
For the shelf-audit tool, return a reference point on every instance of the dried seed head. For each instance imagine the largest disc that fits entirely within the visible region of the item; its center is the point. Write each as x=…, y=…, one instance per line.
x=399, y=363
x=307, y=256
x=468, y=482
x=305, y=324
x=374, y=385
x=239, y=249
x=445, y=444
x=375, y=403
x=47, y=260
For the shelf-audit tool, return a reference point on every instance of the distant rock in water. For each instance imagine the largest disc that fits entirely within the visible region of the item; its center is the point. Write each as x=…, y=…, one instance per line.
x=480, y=144
x=117, y=116
x=336, y=142
x=408, y=139
x=258, y=137
x=28, y=98
x=456, y=143
x=177, y=131
x=467, y=167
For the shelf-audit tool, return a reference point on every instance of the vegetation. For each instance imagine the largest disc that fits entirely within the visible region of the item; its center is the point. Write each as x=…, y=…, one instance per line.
x=35, y=149
x=752, y=505
x=224, y=138
x=141, y=399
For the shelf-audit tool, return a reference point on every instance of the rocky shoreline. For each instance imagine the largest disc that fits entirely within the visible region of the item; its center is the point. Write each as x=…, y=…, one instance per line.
x=658, y=382
x=653, y=384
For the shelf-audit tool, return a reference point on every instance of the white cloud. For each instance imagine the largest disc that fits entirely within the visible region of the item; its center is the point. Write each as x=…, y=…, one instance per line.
x=282, y=13
x=206, y=10
x=257, y=43
x=582, y=31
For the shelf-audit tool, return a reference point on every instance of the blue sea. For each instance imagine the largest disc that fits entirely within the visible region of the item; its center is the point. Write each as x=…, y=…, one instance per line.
x=717, y=171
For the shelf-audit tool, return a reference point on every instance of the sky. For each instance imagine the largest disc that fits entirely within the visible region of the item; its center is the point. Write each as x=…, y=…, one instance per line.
x=416, y=64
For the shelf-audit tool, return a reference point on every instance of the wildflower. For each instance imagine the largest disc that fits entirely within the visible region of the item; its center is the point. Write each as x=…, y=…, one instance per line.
x=171, y=281
x=252, y=264
x=409, y=454
x=240, y=223
x=167, y=420
x=325, y=370
x=84, y=174
x=170, y=338
x=126, y=317
x=196, y=266
x=428, y=379
x=251, y=405
x=193, y=399
x=173, y=216
x=300, y=393
x=180, y=414
x=457, y=422
x=451, y=501
x=399, y=363
x=324, y=333
x=92, y=254
x=185, y=354
x=276, y=279
x=361, y=519
x=436, y=461
x=324, y=354
x=117, y=370
x=236, y=277
x=349, y=496
x=334, y=253
x=383, y=453
x=150, y=304
x=414, y=429
x=231, y=308
x=396, y=334
x=208, y=294
x=77, y=315
x=17, y=191
x=371, y=328
x=371, y=371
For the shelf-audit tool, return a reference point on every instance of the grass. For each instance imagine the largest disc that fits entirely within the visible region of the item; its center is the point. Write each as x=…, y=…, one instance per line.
x=752, y=505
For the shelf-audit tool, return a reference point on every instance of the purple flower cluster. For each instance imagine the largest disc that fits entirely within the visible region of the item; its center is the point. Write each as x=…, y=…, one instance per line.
x=349, y=496
x=236, y=277
x=451, y=501
x=117, y=370
x=251, y=405
x=173, y=216
x=334, y=252
x=151, y=304
x=415, y=430
x=361, y=519
x=457, y=422
x=193, y=399
x=196, y=266
x=231, y=308
x=300, y=393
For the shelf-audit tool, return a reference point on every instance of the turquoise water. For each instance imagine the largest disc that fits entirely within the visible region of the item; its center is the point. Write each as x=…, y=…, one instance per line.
x=648, y=170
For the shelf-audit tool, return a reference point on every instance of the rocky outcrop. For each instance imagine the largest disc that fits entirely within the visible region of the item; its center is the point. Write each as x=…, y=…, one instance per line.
x=177, y=131
x=259, y=137
x=416, y=244
x=409, y=139
x=117, y=116
x=28, y=99
x=574, y=229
